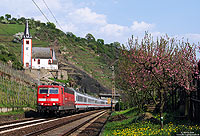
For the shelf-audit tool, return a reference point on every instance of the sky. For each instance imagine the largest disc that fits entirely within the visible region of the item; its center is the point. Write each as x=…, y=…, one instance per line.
x=115, y=20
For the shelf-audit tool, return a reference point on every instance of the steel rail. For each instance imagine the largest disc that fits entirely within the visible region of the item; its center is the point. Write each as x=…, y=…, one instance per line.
x=81, y=125
x=42, y=131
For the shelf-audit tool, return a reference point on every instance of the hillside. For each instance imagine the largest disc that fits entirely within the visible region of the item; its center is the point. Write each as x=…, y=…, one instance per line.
x=89, y=58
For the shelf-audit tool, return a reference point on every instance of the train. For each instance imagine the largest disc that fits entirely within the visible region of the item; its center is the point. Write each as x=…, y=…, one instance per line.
x=61, y=99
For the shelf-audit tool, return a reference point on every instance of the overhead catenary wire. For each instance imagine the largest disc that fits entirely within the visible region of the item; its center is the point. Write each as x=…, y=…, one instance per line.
x=52, y=14
x=40, y=11
x=43, y=12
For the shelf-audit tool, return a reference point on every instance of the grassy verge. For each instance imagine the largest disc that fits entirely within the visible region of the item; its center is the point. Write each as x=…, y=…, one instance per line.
x=20, y=111
x=17, y=106
x=135, y=127
x=59, y=80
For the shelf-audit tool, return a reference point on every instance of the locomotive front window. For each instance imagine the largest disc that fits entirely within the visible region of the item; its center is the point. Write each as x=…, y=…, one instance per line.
x=53, y=90
x=43, y=90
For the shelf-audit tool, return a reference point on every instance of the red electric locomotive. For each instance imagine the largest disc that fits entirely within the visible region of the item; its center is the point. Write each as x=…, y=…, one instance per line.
x=56, y=98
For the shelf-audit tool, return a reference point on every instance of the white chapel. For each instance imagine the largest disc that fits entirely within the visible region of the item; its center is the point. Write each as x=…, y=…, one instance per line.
x=36, y=57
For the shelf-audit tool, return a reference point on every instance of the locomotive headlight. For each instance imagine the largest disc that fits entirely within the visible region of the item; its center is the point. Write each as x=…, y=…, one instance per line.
x=54, y=104
x=41, y=103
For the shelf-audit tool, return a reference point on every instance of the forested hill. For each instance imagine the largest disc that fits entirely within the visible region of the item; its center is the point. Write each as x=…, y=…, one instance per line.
x=90, y=55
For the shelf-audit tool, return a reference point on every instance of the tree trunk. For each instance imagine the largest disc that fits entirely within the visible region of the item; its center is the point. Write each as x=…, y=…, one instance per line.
x=161, y=107
x=186, y=105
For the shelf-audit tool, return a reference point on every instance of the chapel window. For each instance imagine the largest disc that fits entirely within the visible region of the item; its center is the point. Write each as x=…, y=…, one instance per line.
x=49, y=62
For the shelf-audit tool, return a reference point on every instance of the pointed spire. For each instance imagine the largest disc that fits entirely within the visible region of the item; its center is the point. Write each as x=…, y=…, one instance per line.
x=26, y=32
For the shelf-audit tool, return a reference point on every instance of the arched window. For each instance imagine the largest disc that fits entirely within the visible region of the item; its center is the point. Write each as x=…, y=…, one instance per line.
x=27, y=64
x=38, y=61
x=49, y=62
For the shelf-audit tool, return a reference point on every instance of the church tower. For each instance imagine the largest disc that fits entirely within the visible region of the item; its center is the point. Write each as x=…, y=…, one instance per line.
x=26, y=50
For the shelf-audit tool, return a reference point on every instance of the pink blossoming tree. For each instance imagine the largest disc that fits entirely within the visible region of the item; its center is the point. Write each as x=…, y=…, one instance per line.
x=157, y=65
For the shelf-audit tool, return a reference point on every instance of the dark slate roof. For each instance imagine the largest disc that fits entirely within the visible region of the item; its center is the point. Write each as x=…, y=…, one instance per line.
x=27, y=32
x=43, y=53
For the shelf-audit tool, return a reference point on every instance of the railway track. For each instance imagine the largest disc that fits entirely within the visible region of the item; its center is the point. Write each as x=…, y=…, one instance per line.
x=16, y=121
x=17, y=125
x=74, y=126
x=3, y=128
x=77, y=129
x=41, y=126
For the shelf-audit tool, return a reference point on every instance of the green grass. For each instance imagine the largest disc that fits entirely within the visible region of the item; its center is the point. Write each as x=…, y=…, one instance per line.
x=40, y=43
x=127, y=113
x=16, y=112
x=110, y=127
x=59, y=80
x=134, y=127
x=11, y=29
